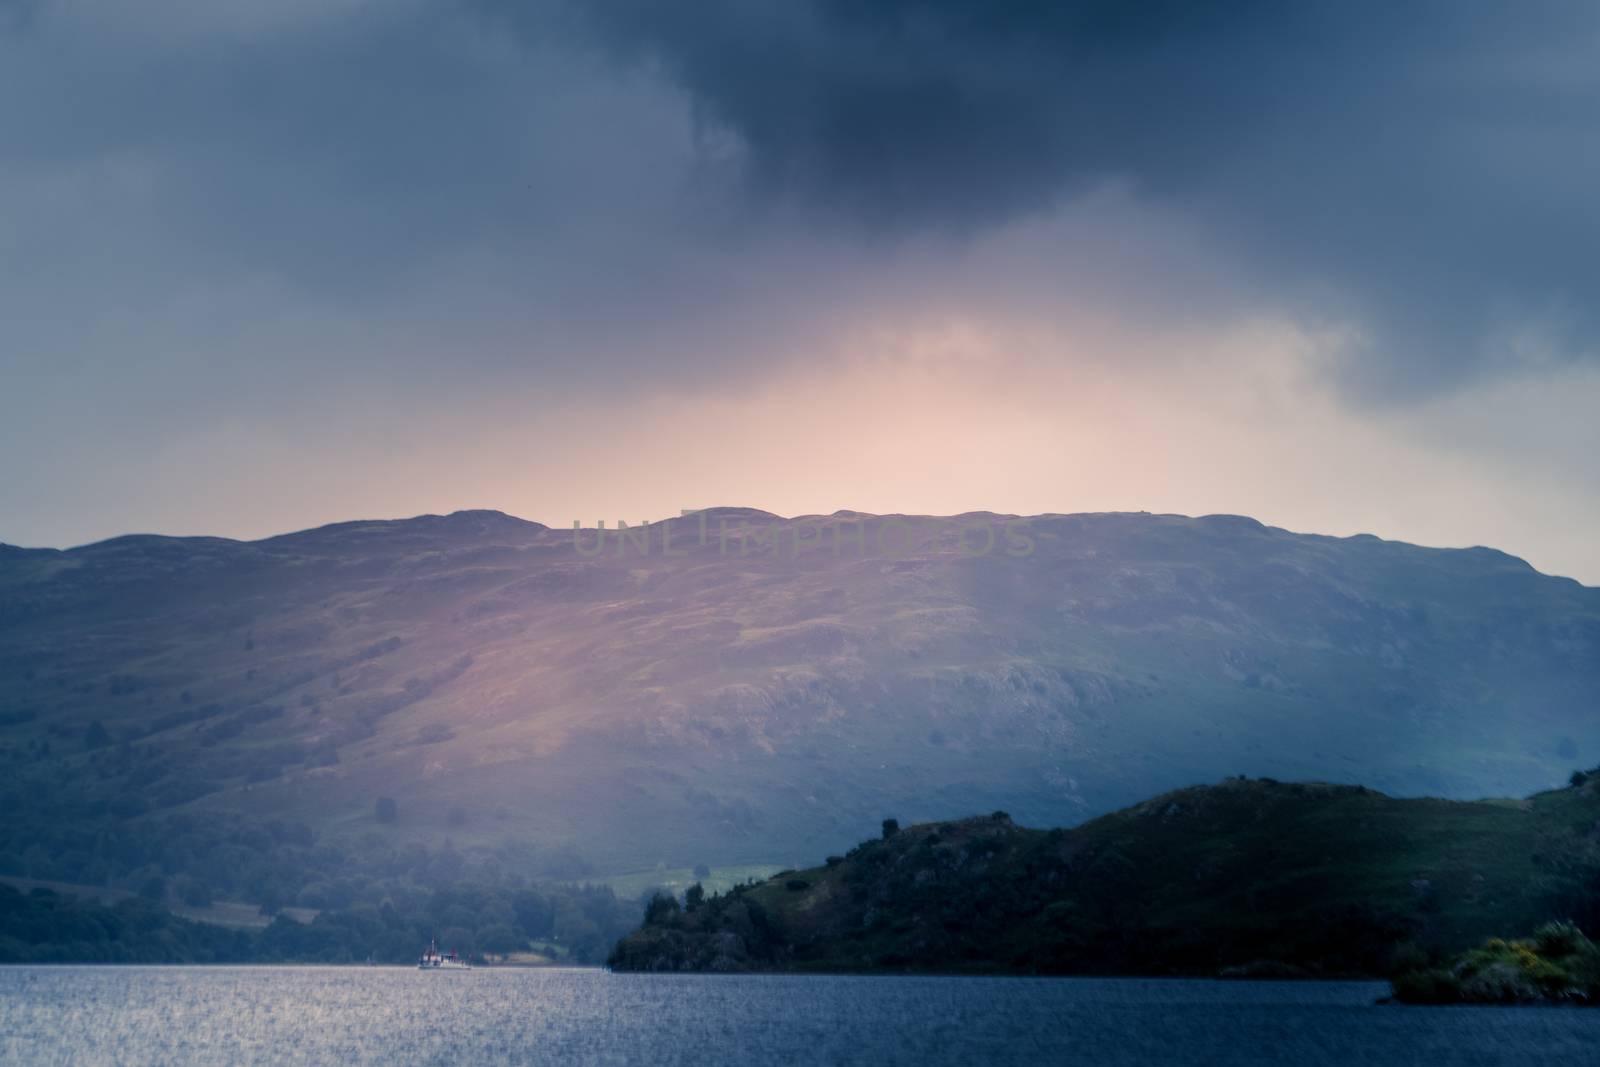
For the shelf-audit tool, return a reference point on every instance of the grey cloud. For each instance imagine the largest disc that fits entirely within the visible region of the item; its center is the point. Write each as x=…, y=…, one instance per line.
x=363, y=187
x=406, y=181
x=216, y=217
x=17, y=14
x=228, y=228
x=937, y=113
x=1421, y=171
x=332, y=147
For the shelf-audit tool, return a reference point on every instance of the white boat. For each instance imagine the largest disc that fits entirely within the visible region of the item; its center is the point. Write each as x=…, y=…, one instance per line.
x=434, y=960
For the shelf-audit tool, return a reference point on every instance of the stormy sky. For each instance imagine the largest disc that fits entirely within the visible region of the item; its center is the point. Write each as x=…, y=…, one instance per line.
x=271, y=263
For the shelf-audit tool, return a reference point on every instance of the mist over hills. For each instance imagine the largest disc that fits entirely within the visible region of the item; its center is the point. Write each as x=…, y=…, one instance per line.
x=734, y=687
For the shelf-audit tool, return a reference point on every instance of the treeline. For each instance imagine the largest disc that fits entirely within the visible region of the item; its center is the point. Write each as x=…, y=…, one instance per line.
x=1242, y=878
x=276, y=863
x=84, y=808
x=982, y=895
x=46, y=927
x=576, y=923
x=94, y=804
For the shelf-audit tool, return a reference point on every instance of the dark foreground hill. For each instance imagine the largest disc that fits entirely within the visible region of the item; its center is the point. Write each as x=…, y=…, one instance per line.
x=735, y=688
x=1252, y=877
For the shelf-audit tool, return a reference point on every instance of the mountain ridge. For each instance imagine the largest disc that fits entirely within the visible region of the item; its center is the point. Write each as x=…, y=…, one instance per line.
x=736, y=511
x=748, y=700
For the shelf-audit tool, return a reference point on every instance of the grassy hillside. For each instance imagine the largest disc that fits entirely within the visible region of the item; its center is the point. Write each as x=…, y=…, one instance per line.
x=1258, y=876
x=532, y=705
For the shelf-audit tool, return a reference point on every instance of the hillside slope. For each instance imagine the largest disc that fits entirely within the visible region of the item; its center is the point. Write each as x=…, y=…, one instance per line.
x=724, y=698
x=1272, y=878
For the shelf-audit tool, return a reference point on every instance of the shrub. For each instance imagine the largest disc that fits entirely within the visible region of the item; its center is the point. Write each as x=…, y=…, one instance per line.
x=1557, y=964
x=1559, y=939
x=890, y=828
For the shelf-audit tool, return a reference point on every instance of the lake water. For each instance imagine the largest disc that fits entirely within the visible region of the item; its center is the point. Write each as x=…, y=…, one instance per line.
x=393, y=1016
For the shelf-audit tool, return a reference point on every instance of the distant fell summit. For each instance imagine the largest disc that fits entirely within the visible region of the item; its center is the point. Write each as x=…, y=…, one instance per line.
x=733, y=686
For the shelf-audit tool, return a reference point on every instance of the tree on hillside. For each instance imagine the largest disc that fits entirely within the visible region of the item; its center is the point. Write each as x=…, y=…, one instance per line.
x=499, y=938
x=458, y=939
x=195, y=892
x=663, y=908
x=273, y=897
x=534, y=912
x=890, y=828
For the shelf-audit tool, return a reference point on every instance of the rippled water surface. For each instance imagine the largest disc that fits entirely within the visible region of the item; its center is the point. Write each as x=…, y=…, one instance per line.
x=227, y=1015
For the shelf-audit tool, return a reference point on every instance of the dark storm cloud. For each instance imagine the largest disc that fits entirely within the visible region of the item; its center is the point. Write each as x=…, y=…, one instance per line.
x=332, y=146
x=334, y=188
x=514, y=183
x=1418, y=175
x=254, y=252
x=937, y=112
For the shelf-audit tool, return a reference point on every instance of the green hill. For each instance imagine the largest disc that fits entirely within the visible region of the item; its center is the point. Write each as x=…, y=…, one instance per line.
x=1255, y=877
